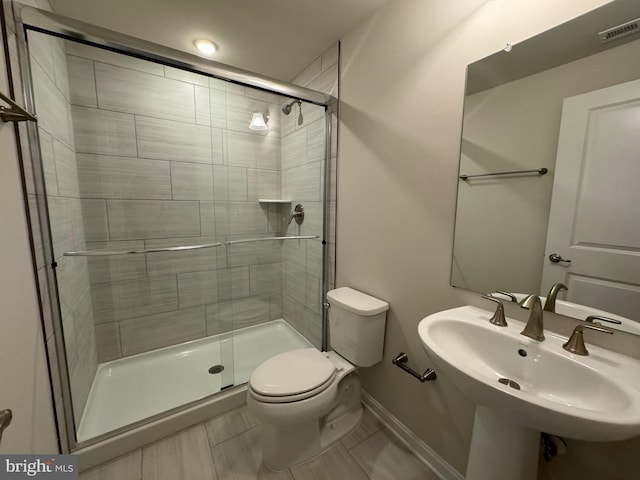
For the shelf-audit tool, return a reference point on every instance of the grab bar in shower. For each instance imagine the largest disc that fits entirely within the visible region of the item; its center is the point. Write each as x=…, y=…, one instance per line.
x=106, y=253
x=251, y=240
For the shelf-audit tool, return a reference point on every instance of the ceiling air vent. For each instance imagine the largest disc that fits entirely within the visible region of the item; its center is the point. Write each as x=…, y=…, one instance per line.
x=615, y=33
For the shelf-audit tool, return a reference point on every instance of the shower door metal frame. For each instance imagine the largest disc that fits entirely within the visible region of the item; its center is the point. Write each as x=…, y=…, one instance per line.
x=326, y=218
x=23, y=18
x=71, y=29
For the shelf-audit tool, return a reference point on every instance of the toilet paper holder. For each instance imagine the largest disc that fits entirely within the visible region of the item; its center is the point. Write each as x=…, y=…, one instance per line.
x=401, y=361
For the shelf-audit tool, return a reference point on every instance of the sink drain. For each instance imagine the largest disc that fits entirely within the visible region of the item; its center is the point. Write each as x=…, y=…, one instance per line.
x=509, y=383
x=216, y=369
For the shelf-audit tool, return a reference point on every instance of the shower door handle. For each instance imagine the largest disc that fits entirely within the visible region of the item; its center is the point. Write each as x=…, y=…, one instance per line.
x=5, y=420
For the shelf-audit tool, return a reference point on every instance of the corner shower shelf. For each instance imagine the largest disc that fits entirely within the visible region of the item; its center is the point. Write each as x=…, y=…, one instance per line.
x=274, y=200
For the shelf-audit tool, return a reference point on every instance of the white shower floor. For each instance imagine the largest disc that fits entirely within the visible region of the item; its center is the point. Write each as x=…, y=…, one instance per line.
x=130, y=389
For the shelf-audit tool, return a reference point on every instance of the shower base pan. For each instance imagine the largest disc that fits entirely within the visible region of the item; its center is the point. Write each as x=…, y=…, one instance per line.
x=134, y=388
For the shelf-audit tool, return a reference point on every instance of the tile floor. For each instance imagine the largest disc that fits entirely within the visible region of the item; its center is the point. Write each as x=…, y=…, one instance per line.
x=228, y=448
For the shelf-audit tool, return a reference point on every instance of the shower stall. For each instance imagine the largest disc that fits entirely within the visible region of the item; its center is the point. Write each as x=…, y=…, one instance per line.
x=177, y=248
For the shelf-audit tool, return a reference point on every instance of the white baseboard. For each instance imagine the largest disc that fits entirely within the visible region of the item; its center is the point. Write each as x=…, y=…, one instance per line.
x=431, y=459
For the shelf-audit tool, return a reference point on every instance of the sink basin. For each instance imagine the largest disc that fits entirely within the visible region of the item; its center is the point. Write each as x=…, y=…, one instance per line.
x=523, y=387
x=588, y=398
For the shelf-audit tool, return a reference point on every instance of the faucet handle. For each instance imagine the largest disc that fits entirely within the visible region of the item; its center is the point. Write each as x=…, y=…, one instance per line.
x=575, y=344
x=498, y=317
x=511, y=296
x=593, y=318
x=298, y=214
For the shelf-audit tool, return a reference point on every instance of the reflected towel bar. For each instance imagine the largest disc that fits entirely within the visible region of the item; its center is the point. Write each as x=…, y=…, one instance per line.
x=106, y=253
x=16, y=113
x=539, y=171
x=251, y=240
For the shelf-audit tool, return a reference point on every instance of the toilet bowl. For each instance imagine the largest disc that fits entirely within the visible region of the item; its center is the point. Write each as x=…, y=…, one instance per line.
x=307, y=399
x=300, y=416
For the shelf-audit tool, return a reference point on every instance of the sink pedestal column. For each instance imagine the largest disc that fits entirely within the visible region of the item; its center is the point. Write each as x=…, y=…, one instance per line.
x=502, y=449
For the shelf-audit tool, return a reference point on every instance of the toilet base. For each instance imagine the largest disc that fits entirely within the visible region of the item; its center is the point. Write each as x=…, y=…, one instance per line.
x=286, y=445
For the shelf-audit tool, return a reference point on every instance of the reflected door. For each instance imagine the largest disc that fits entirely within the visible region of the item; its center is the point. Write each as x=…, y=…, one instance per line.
x=599, y=140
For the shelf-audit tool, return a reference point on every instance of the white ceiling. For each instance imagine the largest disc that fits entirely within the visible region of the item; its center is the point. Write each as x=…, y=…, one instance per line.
x=277, y=38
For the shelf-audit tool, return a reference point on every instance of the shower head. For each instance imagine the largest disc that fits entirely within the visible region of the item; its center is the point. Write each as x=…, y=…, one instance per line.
x=286, y=109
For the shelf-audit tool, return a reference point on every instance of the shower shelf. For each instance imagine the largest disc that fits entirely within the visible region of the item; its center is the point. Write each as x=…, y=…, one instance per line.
x=274, y=200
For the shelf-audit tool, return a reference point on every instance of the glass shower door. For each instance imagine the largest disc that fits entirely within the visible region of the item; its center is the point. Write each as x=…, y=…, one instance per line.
x=180, y=254
x=128, y=151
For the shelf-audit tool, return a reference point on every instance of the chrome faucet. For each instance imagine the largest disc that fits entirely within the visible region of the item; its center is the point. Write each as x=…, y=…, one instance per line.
x=550, y=302
x=534, y=328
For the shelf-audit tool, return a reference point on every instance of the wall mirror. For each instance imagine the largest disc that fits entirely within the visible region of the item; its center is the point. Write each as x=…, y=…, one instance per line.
x=562, y=109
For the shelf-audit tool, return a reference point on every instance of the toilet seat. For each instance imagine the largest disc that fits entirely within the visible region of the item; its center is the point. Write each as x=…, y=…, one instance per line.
x=292, y=376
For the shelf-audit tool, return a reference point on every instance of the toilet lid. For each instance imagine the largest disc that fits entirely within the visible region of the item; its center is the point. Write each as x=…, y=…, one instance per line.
x=292, y=373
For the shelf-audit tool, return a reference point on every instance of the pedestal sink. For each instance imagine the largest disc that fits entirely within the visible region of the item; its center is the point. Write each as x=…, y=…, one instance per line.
x=523, y=387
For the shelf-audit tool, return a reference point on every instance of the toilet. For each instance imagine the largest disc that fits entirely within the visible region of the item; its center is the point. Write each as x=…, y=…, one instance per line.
x=307, y=399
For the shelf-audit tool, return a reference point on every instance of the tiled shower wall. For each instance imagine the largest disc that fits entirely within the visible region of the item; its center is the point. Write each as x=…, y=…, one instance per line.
x=303, y=166
x=57, y=146
x=165, y=158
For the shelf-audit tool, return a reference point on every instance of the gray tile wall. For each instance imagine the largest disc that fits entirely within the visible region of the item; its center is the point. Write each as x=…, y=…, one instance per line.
x=166, y=158
x=137, y=155
x=62, y=181
x=302, y=180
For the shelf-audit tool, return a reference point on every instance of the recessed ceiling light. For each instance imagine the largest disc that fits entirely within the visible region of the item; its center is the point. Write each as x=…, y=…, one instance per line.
x=206, y=47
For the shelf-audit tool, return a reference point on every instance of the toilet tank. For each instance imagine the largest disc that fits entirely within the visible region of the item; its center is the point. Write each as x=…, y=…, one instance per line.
x=356, y=325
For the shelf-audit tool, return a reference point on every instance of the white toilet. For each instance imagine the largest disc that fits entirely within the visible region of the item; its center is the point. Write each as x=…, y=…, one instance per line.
x=308, y=399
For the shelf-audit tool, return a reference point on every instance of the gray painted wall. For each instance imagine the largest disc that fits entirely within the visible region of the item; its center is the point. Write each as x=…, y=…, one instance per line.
x=402, y=93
